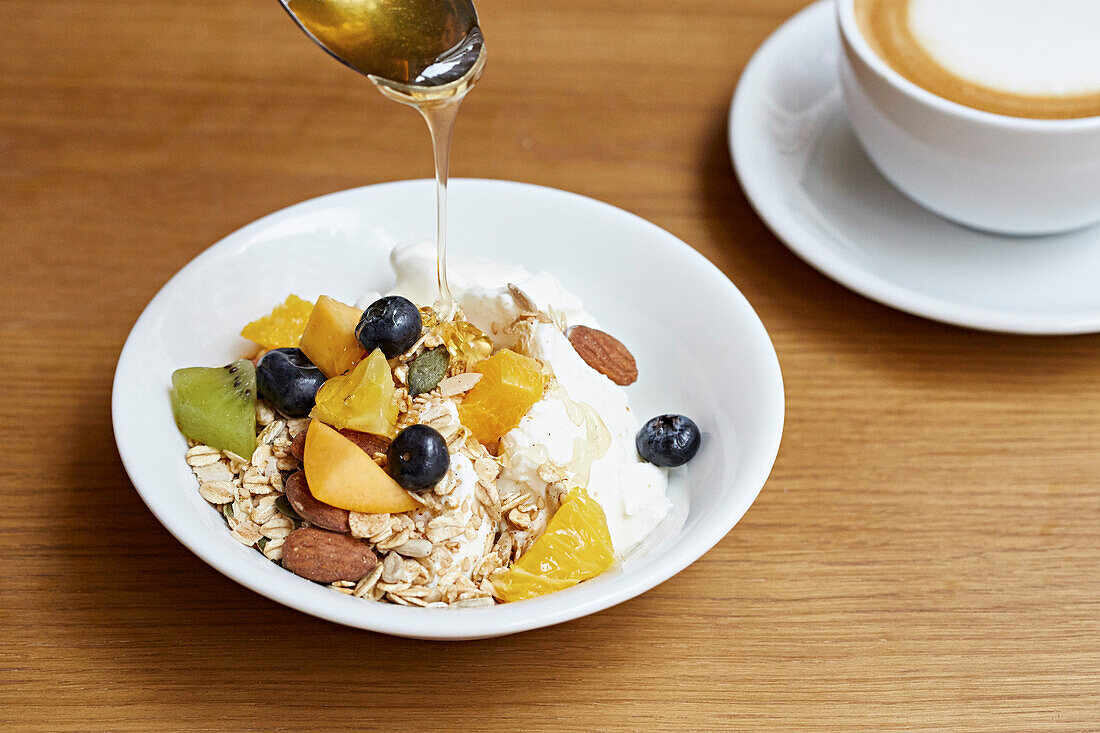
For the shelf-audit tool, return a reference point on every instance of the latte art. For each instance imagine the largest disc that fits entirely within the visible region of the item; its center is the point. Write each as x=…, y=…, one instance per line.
x=1022, y=58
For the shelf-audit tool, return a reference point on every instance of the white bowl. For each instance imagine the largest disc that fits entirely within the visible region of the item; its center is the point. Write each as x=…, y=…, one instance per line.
x=701, y=351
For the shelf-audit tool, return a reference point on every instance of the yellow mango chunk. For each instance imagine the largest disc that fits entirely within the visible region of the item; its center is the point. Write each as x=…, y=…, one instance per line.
x=283, y=327
x=363, y=399
x=509, y=385
x=329, y=337
x=340, y=473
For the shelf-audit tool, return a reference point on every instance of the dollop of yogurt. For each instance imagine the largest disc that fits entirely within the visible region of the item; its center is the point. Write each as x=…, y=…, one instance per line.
x=480, y=287
x=583, y=423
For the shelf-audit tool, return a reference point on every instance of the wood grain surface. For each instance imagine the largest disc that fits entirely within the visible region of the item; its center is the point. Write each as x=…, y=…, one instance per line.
x=926, y=554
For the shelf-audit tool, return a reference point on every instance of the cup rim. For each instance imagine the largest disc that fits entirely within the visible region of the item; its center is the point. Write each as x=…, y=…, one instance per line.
x=853, y=38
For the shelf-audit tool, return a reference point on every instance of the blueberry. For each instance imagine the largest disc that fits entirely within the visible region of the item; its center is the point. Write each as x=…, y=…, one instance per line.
x=391, y=323
x=289, y=381
x=668, y=440
x=418, y=458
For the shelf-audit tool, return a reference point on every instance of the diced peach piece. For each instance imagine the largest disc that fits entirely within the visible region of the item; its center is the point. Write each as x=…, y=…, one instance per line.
x=341, y=474
x=329, y=338
x=509, y=386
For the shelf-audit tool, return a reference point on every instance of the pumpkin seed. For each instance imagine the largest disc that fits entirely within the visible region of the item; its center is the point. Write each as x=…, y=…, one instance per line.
x=427, y=370
x=284, y=507
x=227, y=511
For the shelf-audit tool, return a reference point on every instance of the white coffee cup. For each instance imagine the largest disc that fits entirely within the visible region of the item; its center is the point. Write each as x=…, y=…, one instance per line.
x=1010, y=175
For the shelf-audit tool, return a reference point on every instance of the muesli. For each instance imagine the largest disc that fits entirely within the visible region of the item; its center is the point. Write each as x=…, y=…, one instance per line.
x=399, y=454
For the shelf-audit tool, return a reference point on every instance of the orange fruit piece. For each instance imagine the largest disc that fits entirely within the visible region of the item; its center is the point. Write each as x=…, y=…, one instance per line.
x=509, y=385
x=340, y=473
x=516, y=584
x=576, y=546
x=363, y=399
x=281, y=328
x=329, y=337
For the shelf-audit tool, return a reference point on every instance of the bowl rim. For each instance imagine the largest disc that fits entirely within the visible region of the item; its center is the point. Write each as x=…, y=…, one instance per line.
x=472, y=623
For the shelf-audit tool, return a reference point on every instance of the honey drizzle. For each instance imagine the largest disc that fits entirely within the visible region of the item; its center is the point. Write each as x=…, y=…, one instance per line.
x=426, y=54
x=593, y=446
x=439, y=108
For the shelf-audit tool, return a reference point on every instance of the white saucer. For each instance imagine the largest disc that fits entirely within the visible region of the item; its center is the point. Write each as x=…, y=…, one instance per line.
x=807, y=177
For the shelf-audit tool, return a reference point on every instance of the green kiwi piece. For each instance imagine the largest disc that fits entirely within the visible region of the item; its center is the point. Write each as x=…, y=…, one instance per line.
x=216, y=406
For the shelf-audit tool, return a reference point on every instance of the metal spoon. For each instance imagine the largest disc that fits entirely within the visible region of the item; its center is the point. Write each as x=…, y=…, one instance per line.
x=414, y=43
x=424, y=53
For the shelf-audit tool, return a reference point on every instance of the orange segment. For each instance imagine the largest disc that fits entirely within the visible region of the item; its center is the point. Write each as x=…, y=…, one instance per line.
x=283, y=327
x=509, y=385
x=516, y=584
x=576, y=546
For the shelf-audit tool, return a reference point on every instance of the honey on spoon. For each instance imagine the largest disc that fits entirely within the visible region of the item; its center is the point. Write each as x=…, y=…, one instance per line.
x=423, y=53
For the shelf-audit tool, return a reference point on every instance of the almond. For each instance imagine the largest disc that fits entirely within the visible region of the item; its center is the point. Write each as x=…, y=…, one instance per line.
x=325, y=516
x=604, y=353
x=326, y=557
x=369, y=442
x=298, y=447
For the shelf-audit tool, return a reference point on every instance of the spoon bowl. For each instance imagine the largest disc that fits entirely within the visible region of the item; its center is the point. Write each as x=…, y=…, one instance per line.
x=413, y=43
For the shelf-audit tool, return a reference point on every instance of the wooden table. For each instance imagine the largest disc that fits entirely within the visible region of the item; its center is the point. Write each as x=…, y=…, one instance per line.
x=925, y=554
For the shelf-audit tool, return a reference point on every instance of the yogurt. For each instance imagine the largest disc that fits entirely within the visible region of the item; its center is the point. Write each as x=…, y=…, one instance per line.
x=480, y=287
x=584, y=422
x=631, y=492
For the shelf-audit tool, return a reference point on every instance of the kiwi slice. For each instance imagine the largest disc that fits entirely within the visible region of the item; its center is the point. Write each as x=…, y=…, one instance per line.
x=217, y=405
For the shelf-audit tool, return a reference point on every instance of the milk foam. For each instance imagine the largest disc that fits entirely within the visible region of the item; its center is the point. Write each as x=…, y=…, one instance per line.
x=1029, y=47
